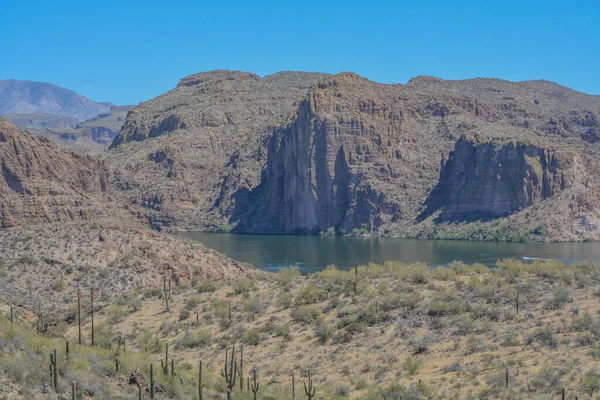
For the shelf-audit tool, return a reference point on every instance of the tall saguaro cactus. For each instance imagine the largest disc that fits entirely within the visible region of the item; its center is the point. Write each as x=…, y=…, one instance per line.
x=166, y=292
x=200, y=383
x=92, y=312
x=53, y=368
x=310, y=389
x=241, y=368
x=255, y=385
x=229, y=372
x=79, y=313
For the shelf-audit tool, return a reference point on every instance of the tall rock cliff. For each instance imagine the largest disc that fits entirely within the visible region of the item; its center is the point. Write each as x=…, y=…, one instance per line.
x=181, y=156
x=486, y=181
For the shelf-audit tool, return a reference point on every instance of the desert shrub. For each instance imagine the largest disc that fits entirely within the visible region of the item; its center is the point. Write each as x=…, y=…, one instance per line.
x=402, y=328
x=323, y=332
x=192, y=302
x=547, y=378
x=475, y=344
x=411, y=365
x=395, y=391
x=253, y=305
x=282, y=331
x=191, y=340
x=184, y=314
x=115, y=314
x=559, y=298
x=543, y=335
x=443, y=308
x=591, y=382
x=308, y=294
x=582, y=323
x=284, y=299
x=421, y=345
x=306, y=314
x=148, y=341
x=241, y=286
x=252, y=337
x=206, y=285
x=286, y=276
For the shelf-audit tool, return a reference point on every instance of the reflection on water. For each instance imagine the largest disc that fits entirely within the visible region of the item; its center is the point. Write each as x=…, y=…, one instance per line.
x=313, y=253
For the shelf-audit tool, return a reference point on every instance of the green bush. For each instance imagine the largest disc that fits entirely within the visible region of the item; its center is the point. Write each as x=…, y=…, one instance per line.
x=306, y=314
x=207, y=285
x=192, y=340
x=252, y=337
x=411, y=365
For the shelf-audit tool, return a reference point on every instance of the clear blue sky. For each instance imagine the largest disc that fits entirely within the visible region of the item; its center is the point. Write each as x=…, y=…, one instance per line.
x=131, y=51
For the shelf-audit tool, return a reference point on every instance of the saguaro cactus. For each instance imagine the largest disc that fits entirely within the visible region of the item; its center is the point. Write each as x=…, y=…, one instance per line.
x=165, y=365
x=67, y=349
x=166, y=292
x=200, y=383
x=293, y=386
x=53, y=369
x=255, y=385
x=229, y=372
x=79, y=313
x=73, y=390
x=241, y=368
x=92, y=312
x=310, y=389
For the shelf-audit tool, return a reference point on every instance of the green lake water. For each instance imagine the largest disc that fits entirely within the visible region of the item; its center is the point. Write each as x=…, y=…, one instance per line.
x=313, y=253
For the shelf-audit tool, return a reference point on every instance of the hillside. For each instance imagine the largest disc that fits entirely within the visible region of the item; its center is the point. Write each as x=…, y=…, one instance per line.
x=27, y=97
x=518, y=331
x=60, y=224
x=481, y=159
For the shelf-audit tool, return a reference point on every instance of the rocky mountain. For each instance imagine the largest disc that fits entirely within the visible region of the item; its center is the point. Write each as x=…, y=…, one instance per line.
x=302, y=153
x=27, y=97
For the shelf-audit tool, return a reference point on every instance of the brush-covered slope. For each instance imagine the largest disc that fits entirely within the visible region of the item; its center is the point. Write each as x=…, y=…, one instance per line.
x=182, y=155
x=431, y=158
x=27, y=97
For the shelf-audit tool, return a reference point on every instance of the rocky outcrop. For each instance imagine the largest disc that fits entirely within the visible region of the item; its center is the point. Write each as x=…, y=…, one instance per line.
x=487, y=181
x=41, y=183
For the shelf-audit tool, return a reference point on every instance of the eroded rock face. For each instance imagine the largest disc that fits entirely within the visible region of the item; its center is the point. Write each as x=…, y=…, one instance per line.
x=41, y=183
x=484, y=181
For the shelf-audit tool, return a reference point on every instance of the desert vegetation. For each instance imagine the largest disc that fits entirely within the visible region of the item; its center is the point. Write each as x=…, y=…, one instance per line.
x=390, y=331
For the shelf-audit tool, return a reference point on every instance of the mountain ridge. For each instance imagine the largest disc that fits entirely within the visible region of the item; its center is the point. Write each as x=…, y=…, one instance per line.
x=28, y=97
x=389, y=141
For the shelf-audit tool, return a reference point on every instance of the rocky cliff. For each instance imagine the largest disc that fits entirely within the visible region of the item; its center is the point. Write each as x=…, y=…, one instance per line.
x=182, y=156
x=484, y=181
x=41, y=183
x=344, y=153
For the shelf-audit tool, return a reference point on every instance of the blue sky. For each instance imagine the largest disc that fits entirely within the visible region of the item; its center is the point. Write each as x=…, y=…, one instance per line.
x=131, y=51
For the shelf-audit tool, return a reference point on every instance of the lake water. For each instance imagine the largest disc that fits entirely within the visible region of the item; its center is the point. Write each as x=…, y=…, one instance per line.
x=313, y=253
